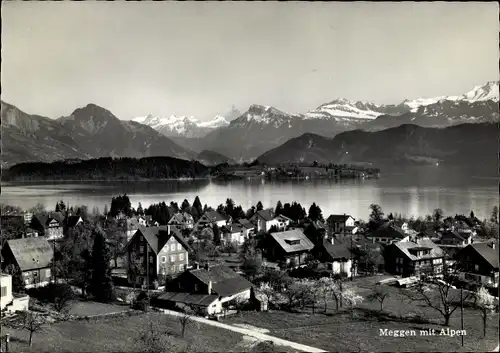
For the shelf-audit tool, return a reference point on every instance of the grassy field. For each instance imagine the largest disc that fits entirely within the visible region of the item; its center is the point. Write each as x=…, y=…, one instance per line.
x=343, y=331
x=120, y=334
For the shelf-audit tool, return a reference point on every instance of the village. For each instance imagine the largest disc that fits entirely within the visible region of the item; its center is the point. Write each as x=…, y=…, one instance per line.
x=265, y=273
x=295, y=171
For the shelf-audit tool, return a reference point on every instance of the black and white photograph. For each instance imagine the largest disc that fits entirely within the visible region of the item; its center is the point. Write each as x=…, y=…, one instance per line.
x=249, y=176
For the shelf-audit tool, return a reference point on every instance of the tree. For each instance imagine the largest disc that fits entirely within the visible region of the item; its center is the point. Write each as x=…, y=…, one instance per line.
x=18, y=284
x=38, y=208
x=229, y=208
x=153, y=338
x=217, y=237
x=106, y=211
x=140, y=210
x=379, y=294
x=438, y=296
x=259, y=206
x=437, y=217
x=472, y=216
x=220, y=209
x=325, y=287
x=185, y=206
x=63, y=295
x=252, y=267
x=101, y=282
x=250, y=212
x=485, y=302
x=197, y=205
x=32, y=322
x=117, y=238
x=315, y=213
x=376, y=217
x=121, y=204
x=279, y=208
x=185, y=320
x=494, y=215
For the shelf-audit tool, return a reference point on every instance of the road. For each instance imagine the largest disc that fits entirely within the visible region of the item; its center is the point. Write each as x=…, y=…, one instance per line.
x=252, y=333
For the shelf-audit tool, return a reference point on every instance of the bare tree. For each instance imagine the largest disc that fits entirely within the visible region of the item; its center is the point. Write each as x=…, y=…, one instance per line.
x=379, y=294
x=438, y=295
x=63, y=297
x=32, y=322
x=154, y=339
x=485, y=302
x=185, y=320
x=324, y=287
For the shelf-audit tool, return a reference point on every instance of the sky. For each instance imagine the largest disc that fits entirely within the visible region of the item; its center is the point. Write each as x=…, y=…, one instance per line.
x=200, y=58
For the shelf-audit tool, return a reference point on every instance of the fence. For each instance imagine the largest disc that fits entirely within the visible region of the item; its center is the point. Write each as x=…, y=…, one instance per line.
x=4, y=343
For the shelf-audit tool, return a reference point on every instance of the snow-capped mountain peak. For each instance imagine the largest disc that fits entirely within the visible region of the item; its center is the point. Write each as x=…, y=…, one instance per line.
x=186, y=126
x=481, y=93
x=343, y=109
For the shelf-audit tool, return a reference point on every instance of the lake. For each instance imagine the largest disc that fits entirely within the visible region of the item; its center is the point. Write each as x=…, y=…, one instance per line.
x=412, y=192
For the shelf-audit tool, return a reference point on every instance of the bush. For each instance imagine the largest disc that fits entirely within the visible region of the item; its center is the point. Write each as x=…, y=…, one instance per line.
x=58, y=294
x=141, y=302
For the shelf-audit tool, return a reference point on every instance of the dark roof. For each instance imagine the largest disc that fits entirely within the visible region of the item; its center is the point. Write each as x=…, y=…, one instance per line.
x=233, y=228
x=266, y=215
x=338, y=218
x=31, y=253
x=318, y=225
x=464, y=219
x=46, y=218
x=487, y=252
x=225, y=281
x=388, y=231
x=246, y=223
x=215, y=216
x=72, y=221
x=337, y=251
x=455, y=234
x=187, y=298
x=420, y=244
x=283, y=238
x=182, y=218
x=157, y=237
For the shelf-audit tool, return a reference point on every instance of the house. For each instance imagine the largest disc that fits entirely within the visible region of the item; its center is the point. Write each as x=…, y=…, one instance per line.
x=264, y=220
x=32, y=256
x=340, y=223
x=478, y=263
x=9, y=301
x=233, y=233
x=211, y=289
x=248, y=227
x=339, y=258
x=166, y=249
x=453, y=237
x=462, y=224
x=315, y=231
x=290, y=247
x=182, y=220
x=210, y=218
x=283, y=222
x=387, y=234
x=414, y=257
x=50, y=225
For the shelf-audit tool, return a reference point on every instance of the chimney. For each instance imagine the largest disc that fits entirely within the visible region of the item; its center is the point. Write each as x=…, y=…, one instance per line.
x=332, y=240
x=209, y=287
x=493, y=245
x=207, y=267
x=196, y=265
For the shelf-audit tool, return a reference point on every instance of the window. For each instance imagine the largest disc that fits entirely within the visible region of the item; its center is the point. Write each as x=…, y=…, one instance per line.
x=172, y=258
x=196, y=287
x=163, y=259
x=476, y=267
x=151, y=259
x=181, y=268
x=141, y=249
x=172, y=247
x=47, y=272
x=3, y=291
x=179, y=247
x=181, y=256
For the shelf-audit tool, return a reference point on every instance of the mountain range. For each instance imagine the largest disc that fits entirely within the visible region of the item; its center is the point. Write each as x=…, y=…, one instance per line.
x=89, y=132
x=262, y=128
x=472, y=145
x=93, y=132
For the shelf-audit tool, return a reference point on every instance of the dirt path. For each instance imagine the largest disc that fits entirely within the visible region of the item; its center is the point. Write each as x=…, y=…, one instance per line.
x=252, y=333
